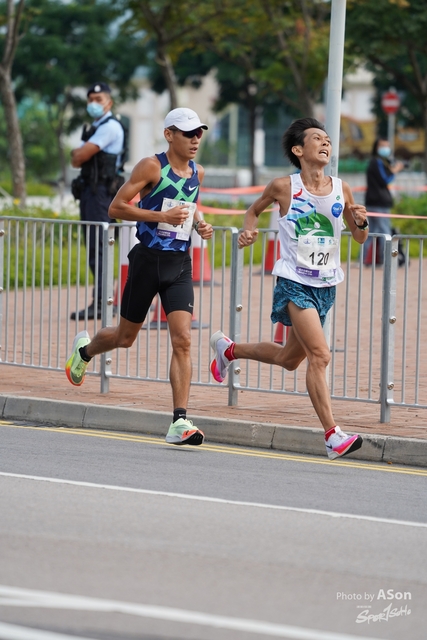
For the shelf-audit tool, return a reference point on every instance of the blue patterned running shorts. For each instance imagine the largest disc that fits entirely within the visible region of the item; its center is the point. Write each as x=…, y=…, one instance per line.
x=303, y=296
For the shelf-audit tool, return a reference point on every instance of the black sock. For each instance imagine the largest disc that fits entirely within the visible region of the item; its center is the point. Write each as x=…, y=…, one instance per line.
x=84, y=355
x=179, y=413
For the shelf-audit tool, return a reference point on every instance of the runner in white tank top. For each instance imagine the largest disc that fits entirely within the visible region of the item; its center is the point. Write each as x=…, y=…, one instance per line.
x=310, y=235
x=313, y=209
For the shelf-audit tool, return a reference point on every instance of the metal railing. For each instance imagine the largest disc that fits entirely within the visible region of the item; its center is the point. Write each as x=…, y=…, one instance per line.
x=378, y=350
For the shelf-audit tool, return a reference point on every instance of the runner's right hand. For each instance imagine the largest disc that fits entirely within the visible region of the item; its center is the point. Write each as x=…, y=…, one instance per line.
x=176, y=215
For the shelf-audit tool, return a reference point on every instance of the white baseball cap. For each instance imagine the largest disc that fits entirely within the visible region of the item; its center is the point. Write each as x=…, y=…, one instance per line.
x=184, y=119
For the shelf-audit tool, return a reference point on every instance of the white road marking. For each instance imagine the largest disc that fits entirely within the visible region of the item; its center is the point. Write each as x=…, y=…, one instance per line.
x=15, y=632
x=45, y=599
x=183, y=496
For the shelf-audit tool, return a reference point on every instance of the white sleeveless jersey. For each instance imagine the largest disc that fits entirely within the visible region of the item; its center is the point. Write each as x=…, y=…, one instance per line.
x=310, y=235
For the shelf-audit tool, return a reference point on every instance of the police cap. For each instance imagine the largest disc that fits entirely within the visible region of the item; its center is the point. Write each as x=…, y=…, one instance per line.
x=99, y=87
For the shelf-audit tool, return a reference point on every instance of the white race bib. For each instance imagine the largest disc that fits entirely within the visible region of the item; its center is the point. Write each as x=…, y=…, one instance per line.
x=316, y=255
x=178, y=232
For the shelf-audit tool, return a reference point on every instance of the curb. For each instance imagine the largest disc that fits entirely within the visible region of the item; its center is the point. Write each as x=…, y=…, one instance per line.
x=302, y=440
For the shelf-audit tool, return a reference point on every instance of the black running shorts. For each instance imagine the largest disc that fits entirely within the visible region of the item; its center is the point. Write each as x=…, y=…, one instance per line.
x=152, y=272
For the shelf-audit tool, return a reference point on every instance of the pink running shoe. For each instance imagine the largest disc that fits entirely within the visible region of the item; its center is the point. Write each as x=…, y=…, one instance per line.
x=219, y=365
x=340, y=444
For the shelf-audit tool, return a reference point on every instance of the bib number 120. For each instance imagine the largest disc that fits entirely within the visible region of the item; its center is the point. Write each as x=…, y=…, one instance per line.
x=317, y=254
x=320, y=259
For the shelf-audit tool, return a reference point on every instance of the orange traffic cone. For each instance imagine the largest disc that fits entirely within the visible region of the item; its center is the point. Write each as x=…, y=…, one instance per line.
x=271, y=255
x=280, y=333
x=156, y=321
x=372, y=253
x=126, y=244
x=162, y=322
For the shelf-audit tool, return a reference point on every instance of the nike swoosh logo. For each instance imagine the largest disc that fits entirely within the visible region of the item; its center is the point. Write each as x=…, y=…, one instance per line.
x=329, y=446
x=192, y=188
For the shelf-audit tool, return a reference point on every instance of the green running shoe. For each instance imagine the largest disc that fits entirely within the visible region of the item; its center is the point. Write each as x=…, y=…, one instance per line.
x=75, y=367
x=184, y=432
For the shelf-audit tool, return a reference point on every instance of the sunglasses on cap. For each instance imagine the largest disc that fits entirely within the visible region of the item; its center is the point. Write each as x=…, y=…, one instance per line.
x=189, y=134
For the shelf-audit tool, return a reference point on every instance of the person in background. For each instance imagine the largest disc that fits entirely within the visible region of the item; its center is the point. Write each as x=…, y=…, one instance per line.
x=168, y=185
x=378, y=199
x=100, y=158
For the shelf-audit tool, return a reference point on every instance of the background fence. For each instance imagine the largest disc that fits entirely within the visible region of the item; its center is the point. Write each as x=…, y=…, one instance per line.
x=376, y=331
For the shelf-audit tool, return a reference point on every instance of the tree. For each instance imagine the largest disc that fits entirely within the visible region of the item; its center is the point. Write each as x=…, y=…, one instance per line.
x=168, y=26
x=9, y=39
x=69, y=46
x=41, y=161
x=263, y=52
x=235, y=75
x=390, y=36
x=301, y=31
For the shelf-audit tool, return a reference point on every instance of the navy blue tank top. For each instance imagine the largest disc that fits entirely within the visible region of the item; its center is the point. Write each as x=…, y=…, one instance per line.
x=169, y=186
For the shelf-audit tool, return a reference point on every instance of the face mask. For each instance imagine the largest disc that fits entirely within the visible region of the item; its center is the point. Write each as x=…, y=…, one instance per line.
x=95, y=110
x=384, y=152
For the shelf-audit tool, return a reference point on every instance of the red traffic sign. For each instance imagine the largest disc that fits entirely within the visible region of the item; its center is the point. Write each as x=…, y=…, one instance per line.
x=390, y=102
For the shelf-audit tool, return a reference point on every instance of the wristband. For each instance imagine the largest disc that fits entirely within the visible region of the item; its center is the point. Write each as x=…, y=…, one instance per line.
x=363, y=226
x=196, y=226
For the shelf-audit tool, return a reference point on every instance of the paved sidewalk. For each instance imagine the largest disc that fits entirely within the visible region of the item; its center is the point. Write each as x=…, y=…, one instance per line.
x=261, y=419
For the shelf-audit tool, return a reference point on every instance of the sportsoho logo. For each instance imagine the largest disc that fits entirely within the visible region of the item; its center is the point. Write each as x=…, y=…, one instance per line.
x=367, y=615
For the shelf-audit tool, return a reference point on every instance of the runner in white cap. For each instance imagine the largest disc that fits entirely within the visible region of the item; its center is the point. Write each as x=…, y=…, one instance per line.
x=168, y=185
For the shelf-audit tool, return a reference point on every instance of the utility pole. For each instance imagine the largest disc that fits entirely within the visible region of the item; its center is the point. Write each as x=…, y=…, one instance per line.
x=335, y=74
x=333, y=103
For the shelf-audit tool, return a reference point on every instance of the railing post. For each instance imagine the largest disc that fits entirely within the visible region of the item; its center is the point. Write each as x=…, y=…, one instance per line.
x=236, y=279
x=388, y=322
x=108, y=243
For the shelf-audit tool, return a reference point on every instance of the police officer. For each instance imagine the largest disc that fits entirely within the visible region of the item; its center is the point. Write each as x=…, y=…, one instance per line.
x=100, y=158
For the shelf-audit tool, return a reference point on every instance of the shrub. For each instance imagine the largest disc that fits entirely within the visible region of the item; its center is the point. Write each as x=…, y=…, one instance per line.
x=411, y=207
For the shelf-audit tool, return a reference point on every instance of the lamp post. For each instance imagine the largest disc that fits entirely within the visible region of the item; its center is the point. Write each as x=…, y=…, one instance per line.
x=334, y=86
x=333, y=104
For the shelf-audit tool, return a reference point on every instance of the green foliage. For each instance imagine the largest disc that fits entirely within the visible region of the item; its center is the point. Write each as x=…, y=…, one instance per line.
x=74, y=44
x=352, y=165
x=408, y=206
x=234, y=220
x=44, y=263
x=349, y=248
x=40, y=145
x=38, y=255
x=262, y=51
x=390, y=36
x=33, y=189
x=67, y=46
x=44, y=254
x=266, y=55
x=40, y=212
x=220, y=221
